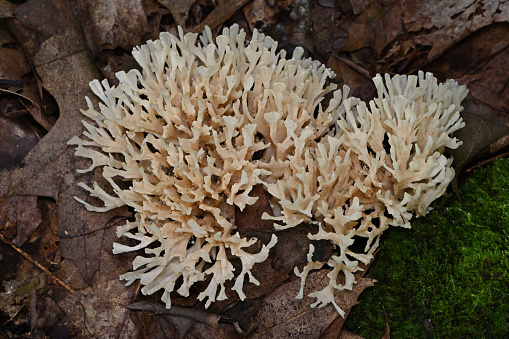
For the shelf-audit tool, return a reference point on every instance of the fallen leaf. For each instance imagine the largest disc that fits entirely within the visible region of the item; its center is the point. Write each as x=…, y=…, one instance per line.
x=64, y=67
x=148, y=326
x=348, y=335
x=490, y=83
x=223, y=11
x=179, y=9
x=251, y=216
x=112, y=24
x=283, y=316
x=326, y=35
x=261, y=15
x=485, y=114
x=359, y=5
x=483, y=126
x=19, y=218
x=97, y=310
x=200, y=330
x=471, y=55
x=13, y=64
x=361, y=27
x=350, y=74
x=17, y=138
x=450, y=21
x=389, y=26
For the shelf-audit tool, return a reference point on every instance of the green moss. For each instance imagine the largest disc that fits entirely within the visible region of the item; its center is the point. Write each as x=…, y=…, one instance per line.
x=450, y=270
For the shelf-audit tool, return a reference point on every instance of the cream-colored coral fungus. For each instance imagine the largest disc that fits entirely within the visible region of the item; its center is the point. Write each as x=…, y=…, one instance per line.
x=184, y=141
x=375, y=169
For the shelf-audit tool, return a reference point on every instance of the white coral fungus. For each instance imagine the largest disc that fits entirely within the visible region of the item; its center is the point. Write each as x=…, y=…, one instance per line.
x=184, y=141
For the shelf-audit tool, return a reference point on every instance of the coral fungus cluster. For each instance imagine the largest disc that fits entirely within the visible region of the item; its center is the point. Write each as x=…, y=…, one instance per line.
x=184, y=141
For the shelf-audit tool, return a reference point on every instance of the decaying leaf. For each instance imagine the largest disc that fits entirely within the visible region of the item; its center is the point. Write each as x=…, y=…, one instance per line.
x=465, y=39
x=13, y=64
x=17, y=138
x=483, y=126
x=352, y=75
x=178, y=9
x=261, y=15
x=19, y=218
x=112, y=24
x=450, y=21
x=97, y=310
x=283, y=316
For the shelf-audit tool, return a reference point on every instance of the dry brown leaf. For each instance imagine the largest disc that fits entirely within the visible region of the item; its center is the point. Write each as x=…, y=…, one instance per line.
x=473, y=54
x=490, y=83
x=262, y=15
x=63, y=64
x=349, y=73
x=483, y=126
x=19, y=218
x=447, y=22
x=179, y=9
x=97, y=311
x=486, y=108
x=223, y=11
x=251, y=216
x=283, y=316
x=17, y=138
x=199, y=331
x=348, y=335
x=360, y=29
x=149, y=326
x=19, y=89
x=326, y=35
x=111, y=24
x=13, y=64
x=65, y=70
x=389, y=27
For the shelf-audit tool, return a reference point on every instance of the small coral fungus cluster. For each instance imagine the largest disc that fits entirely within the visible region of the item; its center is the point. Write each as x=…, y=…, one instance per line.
x=184, y=141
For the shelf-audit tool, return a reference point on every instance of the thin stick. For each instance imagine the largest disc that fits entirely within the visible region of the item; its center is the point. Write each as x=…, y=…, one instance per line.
x=39, y=266
x=220, y=14
x=503, y=155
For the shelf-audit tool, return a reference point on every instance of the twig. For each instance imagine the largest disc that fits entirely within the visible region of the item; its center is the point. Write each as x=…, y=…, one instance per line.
x=503, y=155
x=39, y=266
x=220, y=14
x=355, y=67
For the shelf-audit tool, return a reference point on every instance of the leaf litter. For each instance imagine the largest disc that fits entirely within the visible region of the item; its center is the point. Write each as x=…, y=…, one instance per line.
x=455, y=39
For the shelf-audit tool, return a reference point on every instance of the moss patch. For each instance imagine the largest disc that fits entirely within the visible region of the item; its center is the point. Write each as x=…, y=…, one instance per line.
x=448, y=277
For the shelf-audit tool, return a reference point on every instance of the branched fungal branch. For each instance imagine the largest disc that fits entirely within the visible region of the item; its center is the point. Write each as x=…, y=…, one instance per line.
x=184, y=141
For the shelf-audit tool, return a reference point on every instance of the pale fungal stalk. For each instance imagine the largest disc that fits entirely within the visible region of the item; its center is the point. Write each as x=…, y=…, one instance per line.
x=184, y=141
